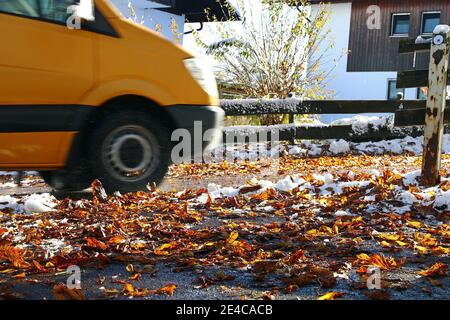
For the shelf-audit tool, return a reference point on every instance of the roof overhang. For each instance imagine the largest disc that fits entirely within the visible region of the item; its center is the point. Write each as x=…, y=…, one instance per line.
x=199, y=10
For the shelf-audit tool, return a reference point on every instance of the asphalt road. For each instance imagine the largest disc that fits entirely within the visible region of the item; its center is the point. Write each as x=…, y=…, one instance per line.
x=403, y=283
x=189, y=286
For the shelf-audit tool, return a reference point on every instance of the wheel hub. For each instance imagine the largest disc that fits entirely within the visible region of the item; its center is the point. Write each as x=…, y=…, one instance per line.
x=130, y=153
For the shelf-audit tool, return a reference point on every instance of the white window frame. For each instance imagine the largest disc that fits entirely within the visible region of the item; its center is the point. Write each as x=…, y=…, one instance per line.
x=422, y=20
x=398, y=35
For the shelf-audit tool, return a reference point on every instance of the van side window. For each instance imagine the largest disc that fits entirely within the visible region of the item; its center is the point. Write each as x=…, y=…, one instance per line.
x=29, y=8
x=56, y=10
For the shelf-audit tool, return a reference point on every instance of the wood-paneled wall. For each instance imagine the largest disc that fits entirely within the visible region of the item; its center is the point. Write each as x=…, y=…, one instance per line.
x=376, y=50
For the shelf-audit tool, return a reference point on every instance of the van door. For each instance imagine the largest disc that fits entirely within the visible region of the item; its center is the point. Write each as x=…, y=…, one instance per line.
x=45, y=68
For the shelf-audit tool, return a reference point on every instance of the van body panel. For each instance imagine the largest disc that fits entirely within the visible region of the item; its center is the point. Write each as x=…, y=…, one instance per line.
x=35, y=150
x=43, y=62
x=145, y=55
x=107, y=90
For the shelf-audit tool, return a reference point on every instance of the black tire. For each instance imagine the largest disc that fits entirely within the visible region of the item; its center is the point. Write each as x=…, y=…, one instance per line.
x=66, y=180
x=129, y=150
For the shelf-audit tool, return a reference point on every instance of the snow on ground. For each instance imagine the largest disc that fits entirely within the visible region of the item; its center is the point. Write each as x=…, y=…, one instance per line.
x=35, y=203
x=409, y=193
x=323, y=185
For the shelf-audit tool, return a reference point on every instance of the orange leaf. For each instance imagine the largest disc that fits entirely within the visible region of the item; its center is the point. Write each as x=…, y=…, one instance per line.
x=168, y=289
x=94, y=243
x=14, y=255
x=379, y=260
x=20, y=275
x=128, y=288
x=331, y=295
x=3, y=231
x=437, y=269
x=116, y=240
x=135, y=277
x=38, y=266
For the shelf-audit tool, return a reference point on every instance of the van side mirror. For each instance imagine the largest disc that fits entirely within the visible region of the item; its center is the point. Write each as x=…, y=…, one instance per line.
x=85, y=10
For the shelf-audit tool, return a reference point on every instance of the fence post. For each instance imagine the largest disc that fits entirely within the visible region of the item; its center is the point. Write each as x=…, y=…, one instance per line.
x=294, y=131
x=436, y=101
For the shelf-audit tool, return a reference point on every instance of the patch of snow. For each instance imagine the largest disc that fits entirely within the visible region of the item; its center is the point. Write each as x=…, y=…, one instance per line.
x=407, y=197
x=421, y=40
x=8, y=202
x=441, y=28
x=340, y=146
x=442, y=200
x=341, y=213
x=8, y=185
x=37, y=203
x=296, y=150
x=286, y=184
x=203, y=198
x=411, y=178
x=369, y=198
x=361, y=124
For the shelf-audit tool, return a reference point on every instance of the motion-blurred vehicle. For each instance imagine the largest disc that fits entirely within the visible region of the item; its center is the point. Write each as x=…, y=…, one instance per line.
x=99, y=101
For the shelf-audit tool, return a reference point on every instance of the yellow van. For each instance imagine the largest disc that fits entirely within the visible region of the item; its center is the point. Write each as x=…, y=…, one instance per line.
x=97, y=101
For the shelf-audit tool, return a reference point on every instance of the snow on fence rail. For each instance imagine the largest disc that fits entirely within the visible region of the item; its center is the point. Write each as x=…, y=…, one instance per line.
x=240, y=107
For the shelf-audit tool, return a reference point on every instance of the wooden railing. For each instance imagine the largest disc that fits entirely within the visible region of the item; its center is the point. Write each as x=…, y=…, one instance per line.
x=412, y=117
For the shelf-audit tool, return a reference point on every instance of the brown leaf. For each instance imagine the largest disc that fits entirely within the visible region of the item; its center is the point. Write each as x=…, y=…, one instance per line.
x=291, y=288
x=378, y=294
x=133, y=258
x=38, y=266
x=98, y=192
x=248, y=189
x=265, y=266
x=304, y=279
x=61, y=292
x=297, y=256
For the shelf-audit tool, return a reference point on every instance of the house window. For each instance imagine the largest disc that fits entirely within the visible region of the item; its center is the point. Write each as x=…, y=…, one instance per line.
x=429, y=21
x=400, y=24
x=393, y=91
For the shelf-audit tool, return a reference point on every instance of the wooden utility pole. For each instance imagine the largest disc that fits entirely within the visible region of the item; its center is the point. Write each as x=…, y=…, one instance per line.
x=436, y=101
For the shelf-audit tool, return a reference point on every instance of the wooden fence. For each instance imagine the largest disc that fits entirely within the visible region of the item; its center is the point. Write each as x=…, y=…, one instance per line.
x=412, y=114
x=412, y=117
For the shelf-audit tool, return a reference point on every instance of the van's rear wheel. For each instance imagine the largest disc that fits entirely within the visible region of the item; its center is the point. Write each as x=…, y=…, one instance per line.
x=65, y=180
x=129, y=150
